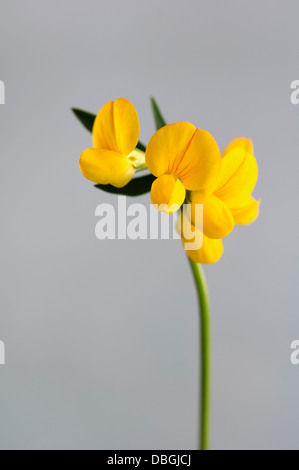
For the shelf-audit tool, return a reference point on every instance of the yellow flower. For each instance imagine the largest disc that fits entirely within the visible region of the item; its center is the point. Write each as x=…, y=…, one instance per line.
x=227, y=202
x=114, y=158
x=182, y=158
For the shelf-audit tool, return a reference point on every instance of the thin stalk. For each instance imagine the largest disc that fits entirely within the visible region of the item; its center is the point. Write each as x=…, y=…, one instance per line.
x=205, y=359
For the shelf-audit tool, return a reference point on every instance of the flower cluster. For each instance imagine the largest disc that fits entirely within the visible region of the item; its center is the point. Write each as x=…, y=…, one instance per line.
x=188, y=169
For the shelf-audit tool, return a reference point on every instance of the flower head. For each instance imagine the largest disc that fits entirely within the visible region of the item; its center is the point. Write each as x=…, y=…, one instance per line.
x=114, y=158
x=227, y=202
x=182, y=158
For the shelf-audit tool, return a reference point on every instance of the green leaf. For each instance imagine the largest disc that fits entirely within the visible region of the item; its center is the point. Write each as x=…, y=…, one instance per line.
x=159, y=119
x=136, y=187
x=87, y=119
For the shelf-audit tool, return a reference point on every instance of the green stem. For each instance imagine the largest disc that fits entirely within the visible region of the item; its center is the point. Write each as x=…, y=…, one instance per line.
x=203, y=298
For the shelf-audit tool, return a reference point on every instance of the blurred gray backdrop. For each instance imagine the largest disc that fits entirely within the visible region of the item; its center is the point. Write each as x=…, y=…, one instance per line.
x=102, y=337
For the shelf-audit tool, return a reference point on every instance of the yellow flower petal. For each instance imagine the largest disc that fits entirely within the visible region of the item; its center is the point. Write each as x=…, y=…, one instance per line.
x=240, y=142
x=198, y=247
x=230, y=163
x=116, y=127
x=238, y=176
x=168, y=193
x=167, y=146
x=200, y=164
x=192, y=154
x=211, y=251
x=247, y=213
x=218, y=220
x=106, y=167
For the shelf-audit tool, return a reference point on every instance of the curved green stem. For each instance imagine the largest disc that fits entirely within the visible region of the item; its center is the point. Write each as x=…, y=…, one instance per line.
x=203, y=298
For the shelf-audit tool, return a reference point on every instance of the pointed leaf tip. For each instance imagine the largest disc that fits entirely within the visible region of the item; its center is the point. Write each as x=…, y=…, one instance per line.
x=159, y=119
x=87, y=119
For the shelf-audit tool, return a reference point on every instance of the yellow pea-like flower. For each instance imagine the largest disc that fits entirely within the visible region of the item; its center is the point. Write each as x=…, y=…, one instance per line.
x=237, y=180
x=227, y=202
x=182, y=158
x=114, y=158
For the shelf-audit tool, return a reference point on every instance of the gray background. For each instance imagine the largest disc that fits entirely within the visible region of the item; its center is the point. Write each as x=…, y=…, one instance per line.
x=101, y=337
